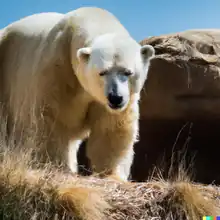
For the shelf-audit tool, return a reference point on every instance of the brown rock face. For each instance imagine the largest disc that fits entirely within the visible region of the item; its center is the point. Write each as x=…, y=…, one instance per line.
x=180, y=108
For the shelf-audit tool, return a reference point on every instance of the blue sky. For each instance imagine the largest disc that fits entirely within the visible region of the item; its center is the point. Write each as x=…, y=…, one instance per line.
x=142, y=18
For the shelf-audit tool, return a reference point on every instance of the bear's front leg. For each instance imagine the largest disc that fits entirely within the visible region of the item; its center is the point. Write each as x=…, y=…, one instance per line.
x=110, y=145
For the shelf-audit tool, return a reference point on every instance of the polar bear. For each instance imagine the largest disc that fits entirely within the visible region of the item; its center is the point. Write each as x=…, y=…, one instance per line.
x=73, y=76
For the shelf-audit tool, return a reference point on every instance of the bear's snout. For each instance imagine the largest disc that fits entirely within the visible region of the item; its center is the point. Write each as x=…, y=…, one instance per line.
x=115, y=101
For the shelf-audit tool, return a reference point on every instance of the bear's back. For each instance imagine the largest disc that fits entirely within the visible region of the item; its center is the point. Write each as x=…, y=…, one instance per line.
x=92, y=22
x=35, y=24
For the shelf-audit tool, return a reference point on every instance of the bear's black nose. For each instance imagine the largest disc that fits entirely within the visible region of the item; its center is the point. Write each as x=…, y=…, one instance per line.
x=115, y=101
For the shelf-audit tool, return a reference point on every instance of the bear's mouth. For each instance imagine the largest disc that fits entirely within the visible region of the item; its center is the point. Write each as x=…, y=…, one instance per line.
x=116, y=106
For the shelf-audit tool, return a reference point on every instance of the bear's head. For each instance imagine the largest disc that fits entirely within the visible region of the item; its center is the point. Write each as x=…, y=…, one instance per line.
x=113, y=68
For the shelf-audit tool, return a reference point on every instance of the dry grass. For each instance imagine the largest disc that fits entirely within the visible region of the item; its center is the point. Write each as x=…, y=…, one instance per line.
x=27, y=192
x=50, y=193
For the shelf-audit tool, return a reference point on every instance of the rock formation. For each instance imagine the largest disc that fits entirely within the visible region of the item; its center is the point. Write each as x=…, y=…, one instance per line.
x=180, y=107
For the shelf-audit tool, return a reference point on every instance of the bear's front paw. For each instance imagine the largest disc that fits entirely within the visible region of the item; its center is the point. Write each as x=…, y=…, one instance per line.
x=111, y=176
x=117, y=178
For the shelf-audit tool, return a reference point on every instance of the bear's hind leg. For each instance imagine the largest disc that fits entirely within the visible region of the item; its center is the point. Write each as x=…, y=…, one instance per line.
x=72, y=155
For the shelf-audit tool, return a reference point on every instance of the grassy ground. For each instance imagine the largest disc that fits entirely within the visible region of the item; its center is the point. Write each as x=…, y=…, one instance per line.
x=50, y=193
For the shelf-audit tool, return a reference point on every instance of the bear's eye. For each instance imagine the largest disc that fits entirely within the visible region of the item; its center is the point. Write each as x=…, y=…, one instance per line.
x=102, y=73
x=127, y=73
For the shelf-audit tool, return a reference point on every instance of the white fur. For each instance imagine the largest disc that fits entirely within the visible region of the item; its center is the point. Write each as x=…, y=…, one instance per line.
x=50, y=69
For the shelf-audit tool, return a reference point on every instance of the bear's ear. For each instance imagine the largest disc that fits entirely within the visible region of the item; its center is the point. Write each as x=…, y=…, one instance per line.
x=83, y=54
x=147, y=52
